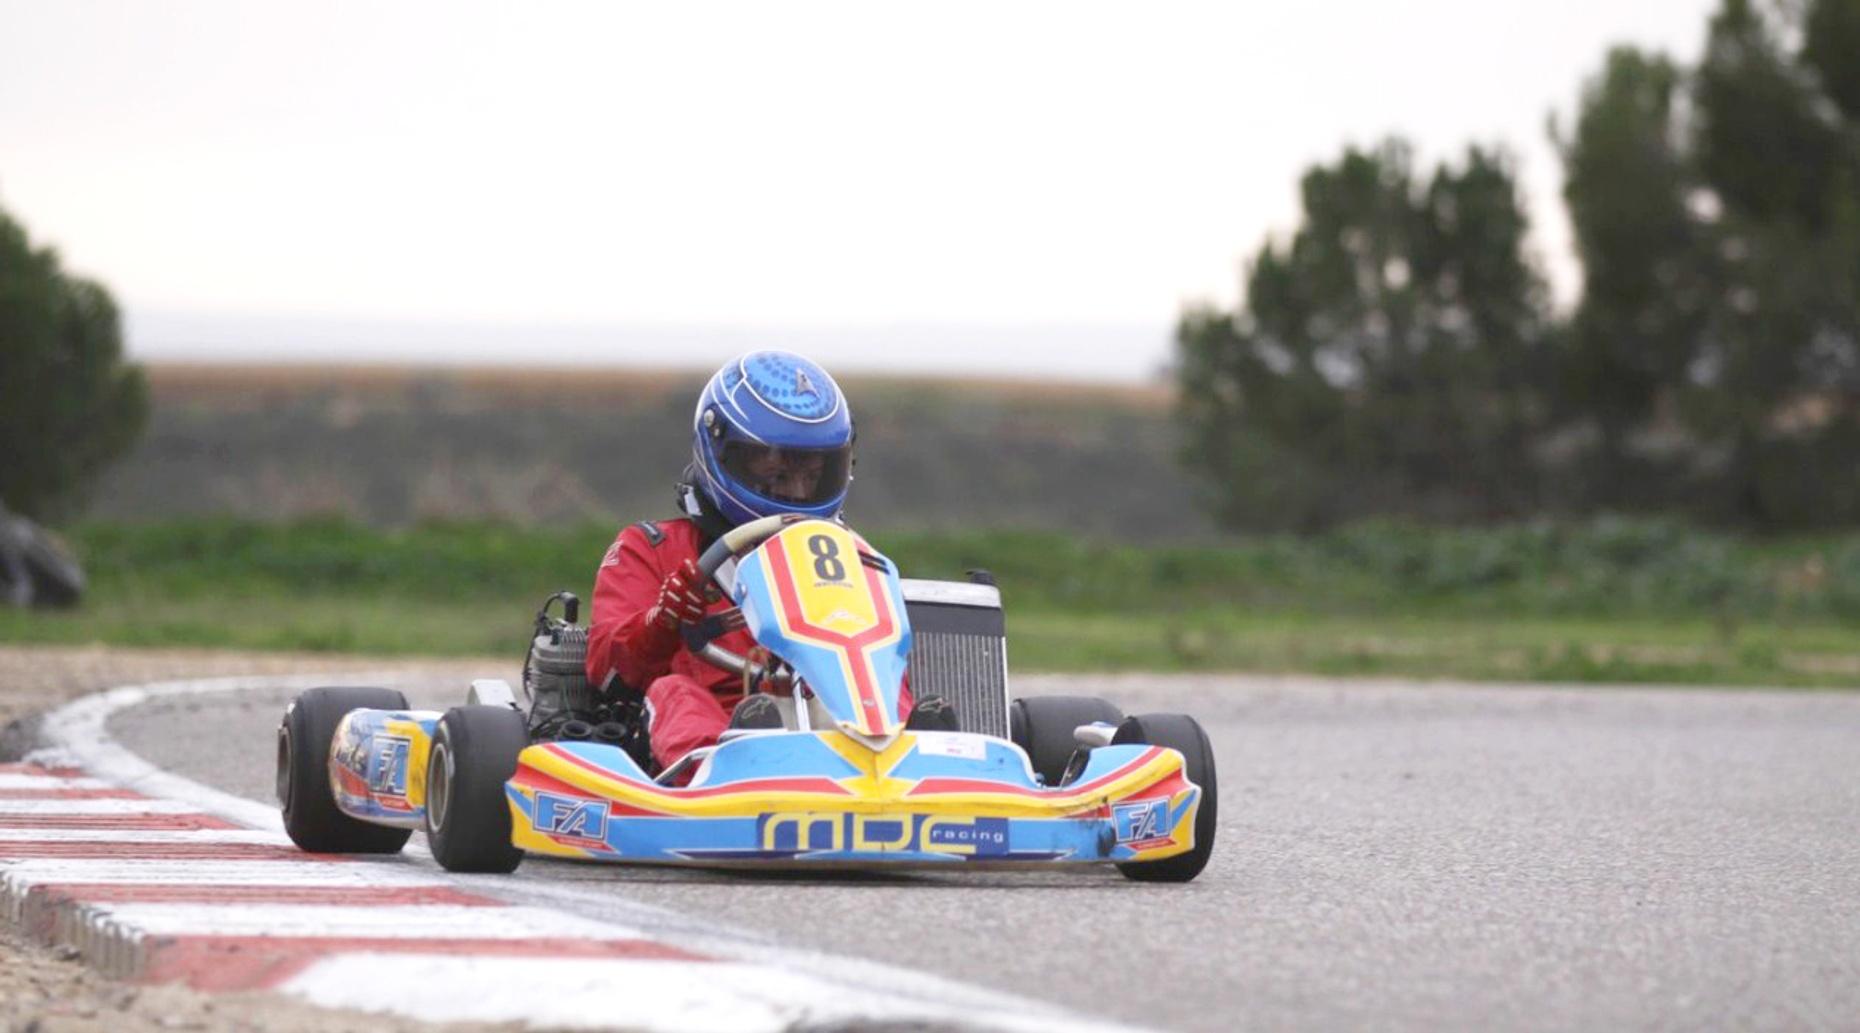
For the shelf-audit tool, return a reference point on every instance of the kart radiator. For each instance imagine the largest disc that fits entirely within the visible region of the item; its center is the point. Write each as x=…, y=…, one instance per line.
x=959, y=650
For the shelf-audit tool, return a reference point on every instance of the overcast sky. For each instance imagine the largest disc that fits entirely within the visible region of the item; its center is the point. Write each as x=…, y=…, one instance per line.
x=991, y=186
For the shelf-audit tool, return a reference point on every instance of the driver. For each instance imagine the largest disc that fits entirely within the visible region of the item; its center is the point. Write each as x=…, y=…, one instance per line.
x=771, y=434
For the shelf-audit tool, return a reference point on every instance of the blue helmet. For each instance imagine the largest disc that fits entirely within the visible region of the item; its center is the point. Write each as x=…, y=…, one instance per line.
x=772, y=434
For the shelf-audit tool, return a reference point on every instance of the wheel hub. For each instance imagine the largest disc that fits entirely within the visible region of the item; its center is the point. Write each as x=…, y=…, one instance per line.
x=438, y=786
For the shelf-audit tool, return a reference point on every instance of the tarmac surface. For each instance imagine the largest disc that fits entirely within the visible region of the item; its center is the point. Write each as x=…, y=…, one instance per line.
x=1391, y=856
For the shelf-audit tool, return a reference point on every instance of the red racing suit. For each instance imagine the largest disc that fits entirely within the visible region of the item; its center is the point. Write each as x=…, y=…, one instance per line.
x=688, y=701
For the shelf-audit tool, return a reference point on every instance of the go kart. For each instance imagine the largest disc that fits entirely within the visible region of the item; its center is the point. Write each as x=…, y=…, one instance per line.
x=1043, y=781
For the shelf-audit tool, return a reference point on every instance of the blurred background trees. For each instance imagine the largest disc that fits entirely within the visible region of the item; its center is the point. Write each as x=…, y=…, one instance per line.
x=68, y=402
x=1386, y=359
x=1398, y=354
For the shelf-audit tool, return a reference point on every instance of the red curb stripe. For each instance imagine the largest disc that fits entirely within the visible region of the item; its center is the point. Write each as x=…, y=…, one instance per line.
x=124, y=822
x=34, y=769
x=55, y=893
x=70, y=794
x=161, y=851
x=259, y=962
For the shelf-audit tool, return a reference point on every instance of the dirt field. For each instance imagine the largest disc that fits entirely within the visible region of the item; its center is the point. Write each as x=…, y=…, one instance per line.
x=46, y=992
x=386, y=445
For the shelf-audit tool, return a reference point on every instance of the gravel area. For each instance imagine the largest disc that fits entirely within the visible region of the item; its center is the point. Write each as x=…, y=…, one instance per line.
x=44, y=991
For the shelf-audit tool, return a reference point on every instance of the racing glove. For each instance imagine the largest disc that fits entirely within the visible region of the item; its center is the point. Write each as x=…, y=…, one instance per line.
x=681, y=600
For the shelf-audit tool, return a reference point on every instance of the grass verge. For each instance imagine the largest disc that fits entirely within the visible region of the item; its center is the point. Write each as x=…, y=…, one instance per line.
x=1611, y=602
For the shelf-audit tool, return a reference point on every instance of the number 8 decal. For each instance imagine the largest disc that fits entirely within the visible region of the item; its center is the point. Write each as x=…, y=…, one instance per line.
x=827, y=565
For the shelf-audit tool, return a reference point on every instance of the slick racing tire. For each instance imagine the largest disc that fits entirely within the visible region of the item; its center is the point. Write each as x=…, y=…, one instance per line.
x=467, y=814
x=311, y=816
x=1183, y=734
x=1044, y=725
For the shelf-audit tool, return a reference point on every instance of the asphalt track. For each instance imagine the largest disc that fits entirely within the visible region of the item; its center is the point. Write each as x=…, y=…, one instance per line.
x=1391, y=856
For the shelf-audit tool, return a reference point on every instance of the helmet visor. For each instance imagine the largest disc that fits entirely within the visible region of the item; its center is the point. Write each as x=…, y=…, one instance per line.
x=788, y=476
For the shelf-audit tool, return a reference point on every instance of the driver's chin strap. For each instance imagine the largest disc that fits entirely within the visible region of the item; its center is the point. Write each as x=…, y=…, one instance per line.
x=695, y=505
x=710, y=524
x=710, y=527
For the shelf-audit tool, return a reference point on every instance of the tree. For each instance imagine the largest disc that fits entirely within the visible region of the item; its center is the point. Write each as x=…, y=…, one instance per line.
x=1775, y=397
x=1383, y=360
x=1716, y=349
x=1830, y=39
x=69, y=404
x=1647, y=261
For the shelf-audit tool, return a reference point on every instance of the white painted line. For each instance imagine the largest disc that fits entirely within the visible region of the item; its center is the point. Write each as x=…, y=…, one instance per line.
x=92, y=807
x=585, y=993
x=399, y=921
x=559, y=993
x=50, y=782
x=566, y=992
x=201, y=836
x=79, y=739
x=34, y=870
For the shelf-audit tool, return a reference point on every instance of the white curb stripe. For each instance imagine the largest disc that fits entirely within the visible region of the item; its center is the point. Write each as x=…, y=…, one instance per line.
x=36, y=870
x=92, y=807
x=399, y=921
x=201, y=836
x=50, y=782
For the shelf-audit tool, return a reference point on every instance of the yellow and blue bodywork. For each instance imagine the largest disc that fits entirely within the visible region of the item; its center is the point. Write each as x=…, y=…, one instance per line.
x=377, y=765
x=865, y=791
x=930, y=797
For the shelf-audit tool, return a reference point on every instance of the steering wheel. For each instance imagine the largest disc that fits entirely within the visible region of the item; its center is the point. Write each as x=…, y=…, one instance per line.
x=700, y=638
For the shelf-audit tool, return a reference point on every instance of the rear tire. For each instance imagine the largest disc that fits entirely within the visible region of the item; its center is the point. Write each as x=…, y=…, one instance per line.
x=1183, y=734
x=467, y=813
x=311, y=816
x=1043, y=726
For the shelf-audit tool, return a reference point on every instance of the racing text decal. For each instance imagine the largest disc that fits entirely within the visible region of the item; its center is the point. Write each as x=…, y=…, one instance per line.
x=804, y=832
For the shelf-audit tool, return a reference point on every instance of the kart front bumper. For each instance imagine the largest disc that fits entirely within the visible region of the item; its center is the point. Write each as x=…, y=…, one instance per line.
x=812, y=799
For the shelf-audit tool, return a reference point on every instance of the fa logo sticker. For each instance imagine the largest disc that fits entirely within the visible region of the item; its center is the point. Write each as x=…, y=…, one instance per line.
x=389, y=777
x=1138, y=822
x=802, y=385
x=571, y=817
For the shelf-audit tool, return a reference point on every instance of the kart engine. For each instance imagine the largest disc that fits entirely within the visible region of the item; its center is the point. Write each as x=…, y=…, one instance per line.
x=555, y=671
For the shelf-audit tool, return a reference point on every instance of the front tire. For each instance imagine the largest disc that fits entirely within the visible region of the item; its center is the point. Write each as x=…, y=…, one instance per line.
x=311, y=816
x=1043, y=726
x=467, y=813
x=1183, y=734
